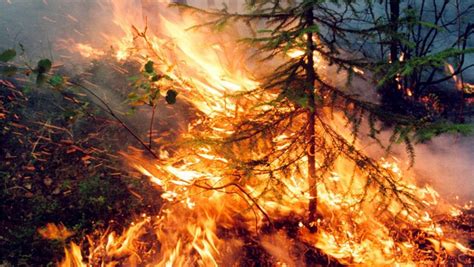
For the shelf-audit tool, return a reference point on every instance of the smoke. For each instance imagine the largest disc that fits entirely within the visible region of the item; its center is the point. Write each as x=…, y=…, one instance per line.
x=52, y=28
x=445, y=162
x=38, y=25
x=278, y=246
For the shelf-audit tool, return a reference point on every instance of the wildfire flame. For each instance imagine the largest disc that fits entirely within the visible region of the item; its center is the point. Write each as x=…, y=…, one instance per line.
x=207, y=203
x=53, y=231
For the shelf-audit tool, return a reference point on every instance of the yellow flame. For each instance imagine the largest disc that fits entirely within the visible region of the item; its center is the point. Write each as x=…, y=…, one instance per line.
x=203, y=194
x=73, y=257
x=53, y=231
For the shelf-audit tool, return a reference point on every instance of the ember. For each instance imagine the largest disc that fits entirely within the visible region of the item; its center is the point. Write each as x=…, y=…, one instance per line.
x=212, y=211
x=241, y=180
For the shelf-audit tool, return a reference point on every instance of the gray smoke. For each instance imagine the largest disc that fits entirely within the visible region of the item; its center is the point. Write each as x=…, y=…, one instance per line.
x=446, y=162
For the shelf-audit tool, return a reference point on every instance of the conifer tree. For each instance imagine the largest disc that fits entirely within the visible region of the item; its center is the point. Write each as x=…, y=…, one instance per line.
x=422, y=48
x=326, y=31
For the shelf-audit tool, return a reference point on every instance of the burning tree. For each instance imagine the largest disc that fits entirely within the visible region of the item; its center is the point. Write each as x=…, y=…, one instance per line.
x=297, y=100
x=269, y=152
x=417, y=44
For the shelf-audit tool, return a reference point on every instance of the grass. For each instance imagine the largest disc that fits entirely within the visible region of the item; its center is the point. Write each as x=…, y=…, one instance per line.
x=58, y=163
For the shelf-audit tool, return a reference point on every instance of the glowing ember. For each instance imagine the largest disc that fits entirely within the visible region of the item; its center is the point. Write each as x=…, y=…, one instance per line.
x=207, y=202
x=53, y=231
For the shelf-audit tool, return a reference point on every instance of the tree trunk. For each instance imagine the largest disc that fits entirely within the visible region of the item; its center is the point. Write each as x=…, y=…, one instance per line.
x=394, y=16
x=311, y=150
x=391, y=95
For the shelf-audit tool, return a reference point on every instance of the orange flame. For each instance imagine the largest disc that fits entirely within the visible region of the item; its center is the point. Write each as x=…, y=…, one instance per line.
x=53, y=231
x=203, y=195
x=73, y=257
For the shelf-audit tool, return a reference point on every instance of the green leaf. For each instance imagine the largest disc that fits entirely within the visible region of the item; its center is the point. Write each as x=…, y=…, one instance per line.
x=428, y=132
x=131, y=111
x=27, y=89
x=429, y=25
x=297, y=96
x=133, y=78
x=56, y=80
x=312, y=29
x=407, y=67
x=7, y=55
x=44, y=66
x=133, y=97
x=171, y=96
x=149, y=67
x=146, y=86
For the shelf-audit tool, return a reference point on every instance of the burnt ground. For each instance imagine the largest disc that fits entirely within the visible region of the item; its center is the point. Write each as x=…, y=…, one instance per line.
x=59, y=163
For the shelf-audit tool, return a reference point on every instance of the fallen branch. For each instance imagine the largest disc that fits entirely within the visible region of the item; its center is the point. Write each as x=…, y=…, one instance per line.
x=112, y=113
x=244, y=192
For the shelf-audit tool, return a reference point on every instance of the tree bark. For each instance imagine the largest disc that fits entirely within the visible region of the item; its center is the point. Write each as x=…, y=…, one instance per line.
x=391, y=96
x=311, y=140
x=394, y=16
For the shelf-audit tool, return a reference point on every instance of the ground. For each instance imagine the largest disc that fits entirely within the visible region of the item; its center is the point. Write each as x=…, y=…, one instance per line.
x=59, y=163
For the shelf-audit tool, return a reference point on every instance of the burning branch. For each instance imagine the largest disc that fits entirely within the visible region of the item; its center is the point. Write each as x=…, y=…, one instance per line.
x=284, y=134
x=254, y=201
x=112, y=113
